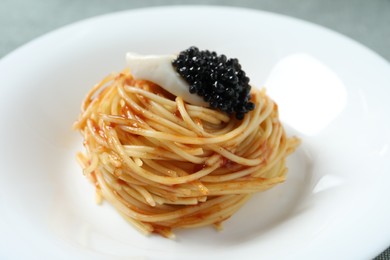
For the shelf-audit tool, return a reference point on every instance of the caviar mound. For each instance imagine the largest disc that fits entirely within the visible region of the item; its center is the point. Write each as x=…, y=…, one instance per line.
x=219, y=80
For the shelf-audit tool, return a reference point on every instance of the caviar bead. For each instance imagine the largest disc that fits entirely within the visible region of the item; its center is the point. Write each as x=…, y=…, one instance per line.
x=206, y=97
x=192, y=89
x=239, y=115
x=219, y=80
x=250, y=106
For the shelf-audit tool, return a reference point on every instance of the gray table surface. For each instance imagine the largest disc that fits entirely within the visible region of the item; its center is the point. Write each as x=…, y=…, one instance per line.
x=366, y=21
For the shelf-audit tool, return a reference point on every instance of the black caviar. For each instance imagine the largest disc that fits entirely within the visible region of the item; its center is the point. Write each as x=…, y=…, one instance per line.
x=219, y=80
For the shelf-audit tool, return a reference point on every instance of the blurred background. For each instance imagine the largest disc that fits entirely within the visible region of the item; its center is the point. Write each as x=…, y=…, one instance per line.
x=366, y=21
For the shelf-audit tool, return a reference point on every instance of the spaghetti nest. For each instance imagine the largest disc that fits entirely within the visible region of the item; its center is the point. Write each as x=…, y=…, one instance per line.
x=166, y=164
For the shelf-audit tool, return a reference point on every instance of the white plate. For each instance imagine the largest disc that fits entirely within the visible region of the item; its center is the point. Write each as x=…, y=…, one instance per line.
x=332, y=92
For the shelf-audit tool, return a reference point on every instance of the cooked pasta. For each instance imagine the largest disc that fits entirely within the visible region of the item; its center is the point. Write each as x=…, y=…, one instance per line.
x=165, y=164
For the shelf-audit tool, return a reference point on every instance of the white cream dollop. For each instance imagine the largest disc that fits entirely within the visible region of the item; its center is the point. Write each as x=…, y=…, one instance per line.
x=159, y=70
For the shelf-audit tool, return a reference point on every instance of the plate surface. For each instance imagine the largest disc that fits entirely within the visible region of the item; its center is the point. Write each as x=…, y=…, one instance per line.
x=331, y=91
